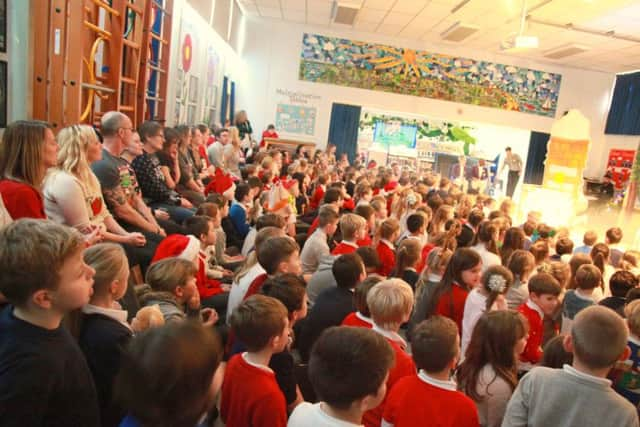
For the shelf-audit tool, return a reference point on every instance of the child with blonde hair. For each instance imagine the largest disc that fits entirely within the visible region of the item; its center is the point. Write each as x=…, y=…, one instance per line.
x=353, y=228
x=626, y=373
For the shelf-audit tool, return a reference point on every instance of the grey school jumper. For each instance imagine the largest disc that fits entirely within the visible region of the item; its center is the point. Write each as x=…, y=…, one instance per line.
x=567, y=398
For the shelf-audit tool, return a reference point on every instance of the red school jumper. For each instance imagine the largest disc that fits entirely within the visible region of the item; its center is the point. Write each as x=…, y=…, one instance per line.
x=403, y=367
x=206, y=287
x=451, y=305
x=251, y=396
x=416, y=402
x=317, y=197
x=357, y=319
x=387, y=256
x=533, y=350
x=344, y=248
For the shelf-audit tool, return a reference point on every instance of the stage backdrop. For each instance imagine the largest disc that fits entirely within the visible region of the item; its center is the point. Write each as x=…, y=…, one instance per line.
x=406, y=71
x=404, y=134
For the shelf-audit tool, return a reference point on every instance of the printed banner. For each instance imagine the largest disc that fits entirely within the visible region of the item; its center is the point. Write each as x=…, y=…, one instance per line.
x=406, y=71
x=296, y=119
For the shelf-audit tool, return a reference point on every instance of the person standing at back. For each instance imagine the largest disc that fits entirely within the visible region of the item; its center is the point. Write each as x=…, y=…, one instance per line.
x=514, y=163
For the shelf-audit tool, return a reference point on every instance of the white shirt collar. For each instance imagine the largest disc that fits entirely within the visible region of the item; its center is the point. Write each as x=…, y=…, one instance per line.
x=634, y=339
x=445, y=385
x=364, y=318
x=535, y=307
x=432, y=277
x=116, y=313
x=388, y=243
x=393, y=336
x=573, y=371
x=255, y=365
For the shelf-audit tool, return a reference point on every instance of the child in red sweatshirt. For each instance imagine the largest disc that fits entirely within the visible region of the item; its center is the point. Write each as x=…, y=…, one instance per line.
x=388, y=233
x=543, y=299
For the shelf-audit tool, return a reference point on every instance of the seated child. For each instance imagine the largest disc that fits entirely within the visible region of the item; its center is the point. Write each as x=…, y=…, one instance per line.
x=250, y=392
x=348, y=368
x=276, y=255
x=416, y=228
x=333, y=304
x=250, y=269
x=367, y=212
x=316, y=247
x=390, y=303
x=171, y=284
x=289, y=289
x=489, y=373
x=430, y=397
x=613, y=238
x=578, y=394
x=104, y=331
x=362, y=316
x=353, y=228
x=554, y=354
x=587, y=278
x=266, y=220
x=407, y=259
x=184, y=355
x=589, y=239
x=489, y=296
x=387, y=234
x=620, y=284
x=626, y=373
x=543, y=300
x=564, y=249
x=44, y=377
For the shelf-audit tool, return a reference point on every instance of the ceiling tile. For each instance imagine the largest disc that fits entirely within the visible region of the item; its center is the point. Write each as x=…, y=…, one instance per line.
x=293, y=4
x=379, y=4
x=250, y=9
x=412, y=31
x=366, y=26
x=371, y=15
x=390, y=29
x=319, y=7
x=270, y=12
x=409, y=6
x=395, y=18
x=295, y=15
x=274, y=4
x=320, y=18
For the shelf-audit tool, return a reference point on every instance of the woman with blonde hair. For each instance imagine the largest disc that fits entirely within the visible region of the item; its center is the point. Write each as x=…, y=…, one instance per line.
x=73, y=197
x=28, y=149
x=242, y=123
x=232, y=154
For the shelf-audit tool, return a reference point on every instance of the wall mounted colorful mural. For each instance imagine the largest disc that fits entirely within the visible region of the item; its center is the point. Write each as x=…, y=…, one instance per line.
x=405, y=71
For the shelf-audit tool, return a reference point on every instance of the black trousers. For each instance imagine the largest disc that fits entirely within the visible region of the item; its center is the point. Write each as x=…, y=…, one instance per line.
x=512, y=181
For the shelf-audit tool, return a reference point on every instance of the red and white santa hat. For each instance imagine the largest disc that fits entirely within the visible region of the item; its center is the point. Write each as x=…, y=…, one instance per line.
x=177, y=245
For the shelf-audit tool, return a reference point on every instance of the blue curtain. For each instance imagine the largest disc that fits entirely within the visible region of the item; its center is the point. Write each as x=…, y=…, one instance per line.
x=534, y=170
x=624, y=113
x=232, y=102
x=224, y=101
x=343, y=129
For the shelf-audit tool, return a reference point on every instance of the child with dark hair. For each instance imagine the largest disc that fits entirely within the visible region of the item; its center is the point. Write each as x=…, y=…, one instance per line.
x=554, y=354
x=578, y=394
x=564, y=249
x=620, y=284
x=362, y=316
x=544, y=290
x=613, y=238
x=250, y=392
x=488, y=374
x=407, y=258
x=334, y=303
x=387, y=233
x=44, y=377
x=348, y=369
x=185, y=355
x=588, y=278
x=521, y=263
x=276, y=255
x=431, y=398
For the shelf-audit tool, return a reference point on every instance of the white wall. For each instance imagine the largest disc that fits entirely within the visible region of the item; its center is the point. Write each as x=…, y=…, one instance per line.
x=272, y=55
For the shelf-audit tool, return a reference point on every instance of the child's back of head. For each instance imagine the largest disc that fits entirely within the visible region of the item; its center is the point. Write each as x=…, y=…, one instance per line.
x=590, y=238
x=622, y=282
x=390, y=303
x=369, y=257
x=352, y=226
x=348, y=270
x=349, y=364
x=632, y=313
x=415, y=223
x=588, y=277
x=544, y=283
x=110, y=264
x=361, y=292
x=35, y=255
x=564, y=246
x=168, y=274
x=599, y=337
x=614, y=235
x=435, y=344
x=259, y=321
x=290, y=290
x=555, y=355
x=279, y=255
x=166, y=376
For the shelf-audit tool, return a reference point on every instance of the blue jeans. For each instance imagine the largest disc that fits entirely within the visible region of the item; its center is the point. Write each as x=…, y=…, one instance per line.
x=177, y=213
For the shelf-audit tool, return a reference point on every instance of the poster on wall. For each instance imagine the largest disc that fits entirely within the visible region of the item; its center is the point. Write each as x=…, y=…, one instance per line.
x=295, y=119
x=619, y=166
x=296, y=113
x=373, y=66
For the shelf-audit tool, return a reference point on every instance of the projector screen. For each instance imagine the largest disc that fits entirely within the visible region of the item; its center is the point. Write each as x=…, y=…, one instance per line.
x=394, y=134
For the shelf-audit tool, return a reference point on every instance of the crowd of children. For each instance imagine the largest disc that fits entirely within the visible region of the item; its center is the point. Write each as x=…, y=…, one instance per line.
x=179, y=280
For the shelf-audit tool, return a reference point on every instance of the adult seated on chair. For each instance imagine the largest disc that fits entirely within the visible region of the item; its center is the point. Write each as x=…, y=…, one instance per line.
x=150, y=177
x=119, y=188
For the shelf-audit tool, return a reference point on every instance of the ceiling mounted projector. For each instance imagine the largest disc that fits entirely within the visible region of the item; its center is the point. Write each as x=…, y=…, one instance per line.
x=519, y=41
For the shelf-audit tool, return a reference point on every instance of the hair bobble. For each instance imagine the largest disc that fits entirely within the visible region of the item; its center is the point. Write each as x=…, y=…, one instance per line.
x=497, y=283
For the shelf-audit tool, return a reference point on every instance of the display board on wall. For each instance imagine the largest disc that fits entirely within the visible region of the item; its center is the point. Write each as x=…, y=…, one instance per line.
x=619, y=167
x=406, y=71
x=296, y=113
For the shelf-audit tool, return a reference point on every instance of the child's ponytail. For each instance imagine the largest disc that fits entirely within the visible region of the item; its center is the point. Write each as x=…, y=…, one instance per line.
x=496, y=280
